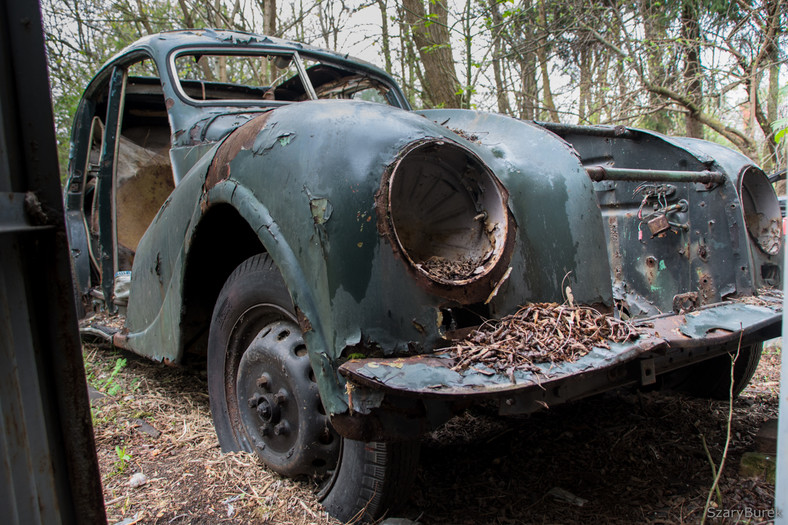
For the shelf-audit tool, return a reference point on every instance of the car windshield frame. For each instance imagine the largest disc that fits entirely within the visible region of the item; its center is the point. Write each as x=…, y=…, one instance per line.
x=392, y=98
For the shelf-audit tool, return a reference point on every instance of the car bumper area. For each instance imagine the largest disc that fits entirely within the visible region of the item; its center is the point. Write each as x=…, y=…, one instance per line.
x=402, y=397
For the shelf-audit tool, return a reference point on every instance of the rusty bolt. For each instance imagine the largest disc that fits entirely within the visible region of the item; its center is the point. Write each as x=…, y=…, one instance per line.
x=280, y=397
x=262, y=381
x=254, y=400
x=265, y=429
x=282, y=429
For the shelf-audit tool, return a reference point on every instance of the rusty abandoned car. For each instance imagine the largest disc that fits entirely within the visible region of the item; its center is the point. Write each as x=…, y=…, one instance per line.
x=280, y=213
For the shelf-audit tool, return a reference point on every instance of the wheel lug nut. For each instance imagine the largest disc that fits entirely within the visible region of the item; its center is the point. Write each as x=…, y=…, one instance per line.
x=282, y=429
x=262, y=381
x=254, y=400
x=265, y=429
x=280, y=397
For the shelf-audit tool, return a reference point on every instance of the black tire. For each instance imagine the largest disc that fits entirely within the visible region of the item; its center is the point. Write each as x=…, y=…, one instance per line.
x=371, y=480
x=712, y=378
x=254, y=317
x=262, y=391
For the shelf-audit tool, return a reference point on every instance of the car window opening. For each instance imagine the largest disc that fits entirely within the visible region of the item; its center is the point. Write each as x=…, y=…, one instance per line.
x=205, y=78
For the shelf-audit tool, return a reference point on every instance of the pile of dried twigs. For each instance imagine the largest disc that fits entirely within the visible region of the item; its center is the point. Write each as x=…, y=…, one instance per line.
x=450, y=269
x=764, y=297
x=539, y=333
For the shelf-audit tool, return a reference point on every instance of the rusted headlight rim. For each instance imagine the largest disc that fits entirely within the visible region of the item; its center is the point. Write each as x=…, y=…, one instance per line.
x=757, y=192
x=476, y=287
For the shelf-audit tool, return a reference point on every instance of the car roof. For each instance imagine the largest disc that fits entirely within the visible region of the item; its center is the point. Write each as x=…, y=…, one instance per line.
x=162, y=43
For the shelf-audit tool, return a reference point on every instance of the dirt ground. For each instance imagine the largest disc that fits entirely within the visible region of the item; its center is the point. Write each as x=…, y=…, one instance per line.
x=627, y=456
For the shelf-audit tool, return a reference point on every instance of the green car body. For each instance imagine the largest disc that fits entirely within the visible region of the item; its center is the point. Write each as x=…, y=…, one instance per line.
x=328, y=189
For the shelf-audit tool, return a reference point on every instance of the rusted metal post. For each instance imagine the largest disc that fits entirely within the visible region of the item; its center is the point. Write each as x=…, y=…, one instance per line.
x=49, y=471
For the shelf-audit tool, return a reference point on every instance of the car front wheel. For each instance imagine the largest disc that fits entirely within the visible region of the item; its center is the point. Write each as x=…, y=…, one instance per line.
x=264, y=399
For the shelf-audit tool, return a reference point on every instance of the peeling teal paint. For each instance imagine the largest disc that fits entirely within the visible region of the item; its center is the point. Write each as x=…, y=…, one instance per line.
x=321, y=209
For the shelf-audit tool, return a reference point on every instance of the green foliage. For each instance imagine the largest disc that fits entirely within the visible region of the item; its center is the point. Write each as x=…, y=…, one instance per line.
x=430, y=19
x=81, y=35
x=123, y=459
x=780, y=126
x=106, y=380
x=110, y=385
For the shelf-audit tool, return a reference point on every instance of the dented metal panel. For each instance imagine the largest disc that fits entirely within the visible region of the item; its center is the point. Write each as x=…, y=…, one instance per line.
x=674, y=236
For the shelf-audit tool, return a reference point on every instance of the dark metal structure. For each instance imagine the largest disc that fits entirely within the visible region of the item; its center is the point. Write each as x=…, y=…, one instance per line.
x=49, y=473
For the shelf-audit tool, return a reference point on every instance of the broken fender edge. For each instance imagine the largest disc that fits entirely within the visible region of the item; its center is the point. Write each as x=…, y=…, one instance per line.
x=432, y=377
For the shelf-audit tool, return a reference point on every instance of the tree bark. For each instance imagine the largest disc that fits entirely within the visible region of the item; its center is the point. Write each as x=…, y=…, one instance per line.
x=690, y=30
x=654, y=30
x=431, y=36
x=541, y=52
x=584, y=87
x=497, y=27
x=384, y=34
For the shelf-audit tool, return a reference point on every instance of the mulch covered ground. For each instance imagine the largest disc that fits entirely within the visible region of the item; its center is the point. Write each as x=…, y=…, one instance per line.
x=628, y=457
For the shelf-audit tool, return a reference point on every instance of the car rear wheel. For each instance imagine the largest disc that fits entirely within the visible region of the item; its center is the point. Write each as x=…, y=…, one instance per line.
x=264, y=399
x=712, y=378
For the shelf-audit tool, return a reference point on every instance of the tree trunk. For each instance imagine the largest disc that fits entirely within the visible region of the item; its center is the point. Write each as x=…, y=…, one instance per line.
x=269, y=17
x=467, y=33
x=410, y=70
x=269, y=28
x=384, y=34
x=690, y=30
x=585, y=86
x=431, y=36
x=542, y=53
x=654, y=30
x=500, y=88
x=772, y=54
x=529, y=99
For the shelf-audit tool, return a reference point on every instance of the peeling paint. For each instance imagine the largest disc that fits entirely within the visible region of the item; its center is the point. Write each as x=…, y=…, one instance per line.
x=321, y=209
x=286, y=138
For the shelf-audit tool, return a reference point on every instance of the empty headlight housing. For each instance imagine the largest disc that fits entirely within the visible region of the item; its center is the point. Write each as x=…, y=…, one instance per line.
x=446, y=213
x=761, y=211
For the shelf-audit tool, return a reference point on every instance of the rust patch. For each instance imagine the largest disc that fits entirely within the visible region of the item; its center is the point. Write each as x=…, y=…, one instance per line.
x=121, y=340
x=169, y=103
x=706, y=291
x=303, y=321
x=471, y=137
x=652, y=270
x=685, y=302
x=242, y=138
x=614, y=244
